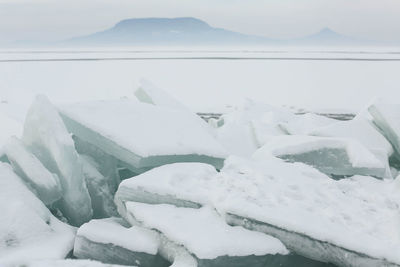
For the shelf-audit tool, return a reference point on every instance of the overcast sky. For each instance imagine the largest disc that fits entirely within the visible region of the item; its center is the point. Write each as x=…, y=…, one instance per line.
x=60, y=19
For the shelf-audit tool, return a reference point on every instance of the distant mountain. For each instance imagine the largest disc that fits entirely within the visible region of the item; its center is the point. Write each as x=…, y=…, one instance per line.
x=192, y=31
x=165, y=31
x=327, y=36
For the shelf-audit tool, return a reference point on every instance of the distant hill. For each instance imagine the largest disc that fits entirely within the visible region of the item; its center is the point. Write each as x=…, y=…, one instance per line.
x=327, y=36
x=166, y=31
x=192, y=31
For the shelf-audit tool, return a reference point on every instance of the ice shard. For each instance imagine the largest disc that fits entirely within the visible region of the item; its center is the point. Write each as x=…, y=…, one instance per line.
x=28, y=231
x=334, y=156
x=9, y=127
x=142, y=136
x=112, y=240
x=386, y=117
x=48, y=139
x=148, y=93
x=207, y=237
x=43, y=183
x=101, y=195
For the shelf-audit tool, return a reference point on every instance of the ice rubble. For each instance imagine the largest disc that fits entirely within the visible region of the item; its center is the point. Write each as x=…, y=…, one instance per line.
x=28, y=230
x=44, y=184
x=290, y=201
x=46, y=136
x=246, y=129
x=142, y=136
x=112, y=240
x=333, y=156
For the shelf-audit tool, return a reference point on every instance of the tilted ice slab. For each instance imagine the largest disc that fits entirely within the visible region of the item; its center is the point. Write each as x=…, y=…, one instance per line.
x=148, y=93
x=46, y=136
x=387, y=118
x=114, y=241
x=43, y=183
x=333, y=156
x=206, y=236
x=101, y=195
x=28, y=230
x=8, y=128
x=142, y=136
x=290, y=201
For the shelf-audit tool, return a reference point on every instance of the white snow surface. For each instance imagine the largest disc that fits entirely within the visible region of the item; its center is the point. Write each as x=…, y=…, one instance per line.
x=187, y=181
x=112, y=231
x=358, y=155
x=361, y=213
x=203, y=232
x=28, y=230
x=144, y=129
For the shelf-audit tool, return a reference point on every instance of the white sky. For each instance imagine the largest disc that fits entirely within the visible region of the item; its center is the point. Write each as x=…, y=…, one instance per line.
x=61, y=19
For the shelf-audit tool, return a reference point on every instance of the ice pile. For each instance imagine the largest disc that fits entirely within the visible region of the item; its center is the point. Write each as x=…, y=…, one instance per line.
x=146, y=182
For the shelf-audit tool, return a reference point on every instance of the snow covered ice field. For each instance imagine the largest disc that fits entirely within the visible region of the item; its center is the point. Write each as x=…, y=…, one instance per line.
x=99, y=167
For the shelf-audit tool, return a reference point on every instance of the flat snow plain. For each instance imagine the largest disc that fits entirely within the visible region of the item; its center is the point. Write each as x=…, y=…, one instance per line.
x=204, y=79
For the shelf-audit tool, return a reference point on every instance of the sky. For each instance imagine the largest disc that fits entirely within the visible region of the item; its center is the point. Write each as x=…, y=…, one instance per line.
x=52, y=20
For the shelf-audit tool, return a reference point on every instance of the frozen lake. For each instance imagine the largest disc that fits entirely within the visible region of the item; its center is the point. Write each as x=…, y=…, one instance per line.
x=205, y=80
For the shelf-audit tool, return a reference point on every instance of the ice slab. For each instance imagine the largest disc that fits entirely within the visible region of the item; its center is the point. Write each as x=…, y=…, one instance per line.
x=112, y=240
x=142, y=136
x=333, y=156
x=9, y=127
x=180, y=184
x=206, y=236
x=290, y=202
x=101, y=195
x=28, y=230
x=387, y=118
x=43, y=183
x=46, y=136
x=362, y=130
x=305, y=123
